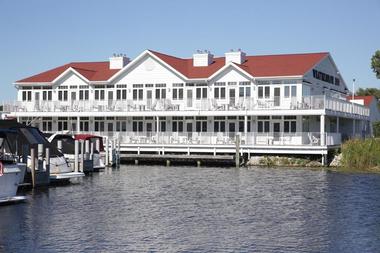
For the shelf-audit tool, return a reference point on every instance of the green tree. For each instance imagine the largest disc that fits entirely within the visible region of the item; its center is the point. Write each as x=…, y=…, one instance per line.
x=375, y=63
x=368, y=92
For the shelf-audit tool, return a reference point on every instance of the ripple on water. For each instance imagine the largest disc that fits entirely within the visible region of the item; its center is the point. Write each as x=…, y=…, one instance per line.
x=171, y=209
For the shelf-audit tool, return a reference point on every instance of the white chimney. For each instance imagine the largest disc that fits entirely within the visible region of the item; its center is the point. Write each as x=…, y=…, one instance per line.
x=236, y=57
x=202, y=59
x=118, y=61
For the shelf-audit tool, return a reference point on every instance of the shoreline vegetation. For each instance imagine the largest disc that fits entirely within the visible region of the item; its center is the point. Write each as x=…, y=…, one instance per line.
x=361, y=155
x=355, y=156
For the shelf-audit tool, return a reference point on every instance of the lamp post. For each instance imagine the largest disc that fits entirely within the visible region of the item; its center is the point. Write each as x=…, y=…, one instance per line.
x=353, y=89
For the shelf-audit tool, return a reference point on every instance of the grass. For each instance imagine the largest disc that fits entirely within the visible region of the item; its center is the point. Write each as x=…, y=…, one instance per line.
x=361, y=155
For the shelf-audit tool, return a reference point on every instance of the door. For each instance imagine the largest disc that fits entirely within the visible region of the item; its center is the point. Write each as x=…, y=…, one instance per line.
x=189, y=129
x=189, y=98
x=73, y=96
x=277, y=96
x=232, y=97
x=276, y=131
x=231, y=129
x=149, y=95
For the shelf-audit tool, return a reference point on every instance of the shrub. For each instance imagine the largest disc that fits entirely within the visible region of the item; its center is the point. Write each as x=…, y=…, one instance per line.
x=361, y=154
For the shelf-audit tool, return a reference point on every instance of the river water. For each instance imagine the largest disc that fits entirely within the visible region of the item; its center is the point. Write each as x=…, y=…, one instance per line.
x=189, y=209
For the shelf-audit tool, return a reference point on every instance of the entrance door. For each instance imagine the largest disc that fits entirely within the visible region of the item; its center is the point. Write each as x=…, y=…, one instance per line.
x=73, y=96
x=189, y=129
x=189, y=98
x=231, y=129
x=277, y=96
x=149, y=95
x=232, y=97
x=276, y=131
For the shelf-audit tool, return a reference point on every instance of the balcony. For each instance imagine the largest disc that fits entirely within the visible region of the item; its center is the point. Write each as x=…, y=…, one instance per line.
x=226, y=138
x=244, y=104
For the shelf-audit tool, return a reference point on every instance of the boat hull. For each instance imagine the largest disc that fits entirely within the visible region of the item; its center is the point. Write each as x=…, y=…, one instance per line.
x=9, y=181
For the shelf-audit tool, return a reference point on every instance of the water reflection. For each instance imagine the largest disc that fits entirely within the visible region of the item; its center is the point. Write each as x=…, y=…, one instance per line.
x=170, y=209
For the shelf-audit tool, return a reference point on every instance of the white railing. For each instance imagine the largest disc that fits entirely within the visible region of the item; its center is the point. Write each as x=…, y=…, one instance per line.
x=226, y=138
x=272, y=103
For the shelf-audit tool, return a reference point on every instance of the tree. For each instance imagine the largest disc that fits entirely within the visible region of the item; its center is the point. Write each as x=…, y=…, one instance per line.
x=375, y=63
x=368, y=92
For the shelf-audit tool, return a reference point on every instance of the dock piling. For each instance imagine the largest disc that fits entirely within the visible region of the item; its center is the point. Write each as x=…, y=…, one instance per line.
x=82, y=156
x=33, y=166
x=47, y=162
x=76, y=156
x=107, y=151
x=237, y=153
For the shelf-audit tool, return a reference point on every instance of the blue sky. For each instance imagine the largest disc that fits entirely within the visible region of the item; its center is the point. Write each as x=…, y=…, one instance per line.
x=38, y=35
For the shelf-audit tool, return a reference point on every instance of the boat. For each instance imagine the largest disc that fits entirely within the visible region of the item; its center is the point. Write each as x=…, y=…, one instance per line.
x=28, y=137
x=11, y=174
x=98, y=162
x=94, y=163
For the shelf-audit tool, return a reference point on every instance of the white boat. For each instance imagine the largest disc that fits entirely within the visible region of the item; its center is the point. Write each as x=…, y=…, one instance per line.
x=31, y=137
x=68, y=148
x=11, y=174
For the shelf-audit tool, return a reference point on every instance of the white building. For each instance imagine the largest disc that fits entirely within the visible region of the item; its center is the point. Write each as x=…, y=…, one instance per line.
x=294, y=103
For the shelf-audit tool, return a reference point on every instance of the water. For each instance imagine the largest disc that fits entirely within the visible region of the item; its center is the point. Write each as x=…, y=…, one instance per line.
x=188, y=209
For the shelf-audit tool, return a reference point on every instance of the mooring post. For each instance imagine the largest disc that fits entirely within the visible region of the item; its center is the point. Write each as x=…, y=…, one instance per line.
x=47, y=163
x=92, y=151
x=167, y=163
x=118, y=152
x=198, y=163
x=33, y=166
x=76, y=158
x=237, y=153
x=107, y=151
x=111, y=158
x=82, y=156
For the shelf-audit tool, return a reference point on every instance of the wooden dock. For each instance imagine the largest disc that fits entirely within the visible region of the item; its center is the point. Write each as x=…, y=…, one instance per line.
x=178, y=158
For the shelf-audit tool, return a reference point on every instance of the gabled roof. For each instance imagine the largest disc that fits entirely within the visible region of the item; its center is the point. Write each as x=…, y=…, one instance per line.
x=257, y=66
x=92, y=71
x=366, y=99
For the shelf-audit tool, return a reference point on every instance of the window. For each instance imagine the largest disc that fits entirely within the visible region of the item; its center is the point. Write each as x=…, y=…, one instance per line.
x=62, y=95
x=99, y=126
x=219, y=126
x=290, y=124
x=47, y=95
x=264, y=92
x=201, y=93
x=220, y=92
x=99, y=94
x=286, y=92
x=137, y=126
x=293, y=91
x=201, y=124
x=83, y=94
x=26, y=96
x=178, y=94
x=263, y=124
x=177, y=124
x=121, y=126
x=244, y=92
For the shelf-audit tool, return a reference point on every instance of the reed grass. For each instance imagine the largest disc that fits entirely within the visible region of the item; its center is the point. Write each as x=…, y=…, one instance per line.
x=363, y=155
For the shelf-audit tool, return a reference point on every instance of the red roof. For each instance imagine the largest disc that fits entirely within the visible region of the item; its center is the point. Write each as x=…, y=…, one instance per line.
x=259, y=66
x=367, y=99
x=93, y=71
